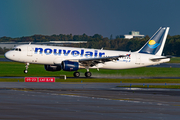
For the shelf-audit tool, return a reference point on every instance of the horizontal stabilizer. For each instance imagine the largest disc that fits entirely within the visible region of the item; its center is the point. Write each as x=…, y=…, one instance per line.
x=160, y=58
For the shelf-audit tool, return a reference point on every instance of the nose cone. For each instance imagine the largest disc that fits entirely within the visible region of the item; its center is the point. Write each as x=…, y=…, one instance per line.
x=8, y=55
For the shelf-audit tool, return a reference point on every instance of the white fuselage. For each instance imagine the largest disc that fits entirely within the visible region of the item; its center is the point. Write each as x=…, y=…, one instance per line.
x=53, y=55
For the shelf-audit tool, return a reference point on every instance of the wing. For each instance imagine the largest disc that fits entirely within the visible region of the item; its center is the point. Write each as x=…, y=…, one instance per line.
x=94, y=61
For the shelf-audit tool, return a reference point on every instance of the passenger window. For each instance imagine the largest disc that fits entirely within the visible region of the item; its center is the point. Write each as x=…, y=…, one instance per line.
x=19, y=49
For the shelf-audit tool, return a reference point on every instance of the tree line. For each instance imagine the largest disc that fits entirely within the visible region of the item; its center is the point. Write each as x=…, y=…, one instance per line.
x=172, y=46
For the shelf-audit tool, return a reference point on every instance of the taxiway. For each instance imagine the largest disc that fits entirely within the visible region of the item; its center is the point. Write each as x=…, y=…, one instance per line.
x=86, y=101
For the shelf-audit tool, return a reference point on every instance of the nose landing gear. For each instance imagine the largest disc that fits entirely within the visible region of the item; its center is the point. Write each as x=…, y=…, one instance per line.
x=26, y=70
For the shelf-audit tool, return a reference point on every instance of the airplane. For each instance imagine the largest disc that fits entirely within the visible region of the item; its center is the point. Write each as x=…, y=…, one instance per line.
x=55, y=58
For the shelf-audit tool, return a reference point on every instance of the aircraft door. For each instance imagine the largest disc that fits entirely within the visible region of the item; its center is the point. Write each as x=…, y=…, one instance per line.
x=29, y=51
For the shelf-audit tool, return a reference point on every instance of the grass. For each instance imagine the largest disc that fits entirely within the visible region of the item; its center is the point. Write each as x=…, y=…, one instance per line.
x=175, y=60
x=16, y=69
x=154, y=86
x=2, y=56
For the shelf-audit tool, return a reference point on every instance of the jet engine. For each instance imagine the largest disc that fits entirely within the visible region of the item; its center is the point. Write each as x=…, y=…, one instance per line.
x=70, y=66
x=52, y=67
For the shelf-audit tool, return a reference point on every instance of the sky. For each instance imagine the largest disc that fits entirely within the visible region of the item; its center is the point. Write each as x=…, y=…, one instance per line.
x=20, y=18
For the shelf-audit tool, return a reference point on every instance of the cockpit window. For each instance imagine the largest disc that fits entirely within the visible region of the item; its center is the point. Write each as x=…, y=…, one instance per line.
x=16, y=49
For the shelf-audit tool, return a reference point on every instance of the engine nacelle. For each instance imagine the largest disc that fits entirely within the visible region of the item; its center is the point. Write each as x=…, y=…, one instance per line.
x=70, y=66
x=52, y=68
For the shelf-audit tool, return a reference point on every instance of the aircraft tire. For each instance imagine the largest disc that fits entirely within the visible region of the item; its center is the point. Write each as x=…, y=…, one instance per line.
x=88, y=74
x=76, y=74
x=25, y=71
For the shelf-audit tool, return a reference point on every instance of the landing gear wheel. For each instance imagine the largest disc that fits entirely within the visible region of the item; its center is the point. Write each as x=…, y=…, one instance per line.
x=88, y=74
x=76, y=74
x=26, y=71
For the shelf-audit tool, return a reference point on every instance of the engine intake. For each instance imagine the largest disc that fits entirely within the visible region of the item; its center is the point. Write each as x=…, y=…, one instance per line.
x=70, y=66
x=52, y=68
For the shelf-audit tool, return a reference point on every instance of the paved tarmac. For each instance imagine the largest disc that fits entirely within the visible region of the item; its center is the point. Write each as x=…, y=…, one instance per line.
x=86, y=101
x=5, y=60
x=167, y=65
x=111, y=77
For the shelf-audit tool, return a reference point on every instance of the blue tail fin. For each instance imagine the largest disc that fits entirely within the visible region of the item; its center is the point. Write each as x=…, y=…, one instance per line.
x=156, y=43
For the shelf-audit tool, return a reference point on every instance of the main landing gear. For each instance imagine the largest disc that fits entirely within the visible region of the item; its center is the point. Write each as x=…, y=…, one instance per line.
x=26, y=70
x=87, y=74
x=76, y=74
